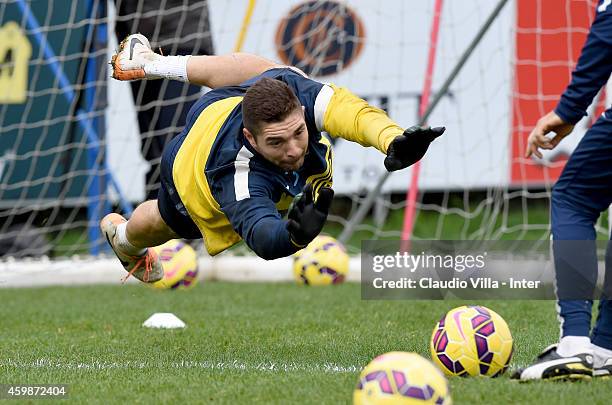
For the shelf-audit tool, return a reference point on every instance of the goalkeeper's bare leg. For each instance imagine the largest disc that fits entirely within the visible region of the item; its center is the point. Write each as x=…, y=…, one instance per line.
x=146, y=227
x=131, y=239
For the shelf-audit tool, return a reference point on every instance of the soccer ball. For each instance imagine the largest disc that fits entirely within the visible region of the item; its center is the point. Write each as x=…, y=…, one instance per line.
x=472, y=340
x=324, y=261
x=401, y=378
x=180, y=265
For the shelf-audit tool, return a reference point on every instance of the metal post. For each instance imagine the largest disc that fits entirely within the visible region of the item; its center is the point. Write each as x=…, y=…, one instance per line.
x=356, y=219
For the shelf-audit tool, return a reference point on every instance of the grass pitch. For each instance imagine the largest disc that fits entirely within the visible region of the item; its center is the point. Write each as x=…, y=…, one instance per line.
x=246, y=343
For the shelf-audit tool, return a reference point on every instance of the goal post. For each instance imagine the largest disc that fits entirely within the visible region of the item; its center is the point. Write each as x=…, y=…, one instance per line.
x=70, y=139
x=53, y=144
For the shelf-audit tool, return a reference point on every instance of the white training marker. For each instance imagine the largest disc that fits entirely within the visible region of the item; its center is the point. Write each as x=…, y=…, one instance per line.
x=163, y=320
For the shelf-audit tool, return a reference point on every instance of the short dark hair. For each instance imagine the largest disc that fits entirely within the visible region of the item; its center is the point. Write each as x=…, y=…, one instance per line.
x=268, y=100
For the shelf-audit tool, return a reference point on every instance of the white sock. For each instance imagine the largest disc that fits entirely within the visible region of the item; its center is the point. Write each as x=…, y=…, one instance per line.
x=600, y=355
x=169, y=67
x=572, y=345
x=124, y=244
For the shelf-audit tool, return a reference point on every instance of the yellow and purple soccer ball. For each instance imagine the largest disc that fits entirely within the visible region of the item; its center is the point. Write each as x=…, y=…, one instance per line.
x=401, y=378
x=180, y=264
x=472, y=341
x=323, y=262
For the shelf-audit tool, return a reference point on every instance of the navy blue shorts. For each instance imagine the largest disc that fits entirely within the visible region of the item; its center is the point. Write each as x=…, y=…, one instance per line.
x=170, y=206
x=586, y=180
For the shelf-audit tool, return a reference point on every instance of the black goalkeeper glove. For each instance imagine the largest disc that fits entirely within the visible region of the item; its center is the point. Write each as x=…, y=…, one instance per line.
x=410, y=147
x=306, y=217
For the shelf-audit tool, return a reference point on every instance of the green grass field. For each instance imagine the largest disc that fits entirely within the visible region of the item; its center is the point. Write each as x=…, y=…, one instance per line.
x=245, y=343
x=428, y=225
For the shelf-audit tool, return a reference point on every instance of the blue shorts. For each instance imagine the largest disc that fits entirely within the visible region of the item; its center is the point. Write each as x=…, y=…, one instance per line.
x=170, y=206
x=586, y=180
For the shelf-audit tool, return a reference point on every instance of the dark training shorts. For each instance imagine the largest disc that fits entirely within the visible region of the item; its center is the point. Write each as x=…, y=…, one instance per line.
x=170, y=206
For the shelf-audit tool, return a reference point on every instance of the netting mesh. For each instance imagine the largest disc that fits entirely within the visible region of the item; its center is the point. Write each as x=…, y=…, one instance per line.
x=51, y=112
x=70, y=140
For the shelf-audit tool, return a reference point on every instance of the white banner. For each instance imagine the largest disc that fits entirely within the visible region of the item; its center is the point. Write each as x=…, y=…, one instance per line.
x=379, y=51
x=389, y=72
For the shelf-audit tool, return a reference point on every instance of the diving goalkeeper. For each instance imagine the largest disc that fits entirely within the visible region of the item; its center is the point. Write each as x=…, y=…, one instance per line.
x=251, y=148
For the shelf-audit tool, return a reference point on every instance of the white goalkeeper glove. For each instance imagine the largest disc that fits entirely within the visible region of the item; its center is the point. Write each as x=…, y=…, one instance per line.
x=135, y=60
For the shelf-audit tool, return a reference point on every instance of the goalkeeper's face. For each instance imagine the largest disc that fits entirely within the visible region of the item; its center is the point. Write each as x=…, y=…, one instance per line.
x=283, y=143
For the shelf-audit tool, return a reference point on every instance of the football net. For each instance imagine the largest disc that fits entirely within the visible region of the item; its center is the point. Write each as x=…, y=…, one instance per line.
x=70, y=140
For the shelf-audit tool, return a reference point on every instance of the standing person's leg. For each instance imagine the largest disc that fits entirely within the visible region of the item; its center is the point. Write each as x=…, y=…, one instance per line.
x=602, y=332
x=575, y=260
x=583, y=191
x=580, y=195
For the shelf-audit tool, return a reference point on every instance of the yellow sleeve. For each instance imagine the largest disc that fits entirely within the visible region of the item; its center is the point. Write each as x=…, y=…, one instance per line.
x=349, y=117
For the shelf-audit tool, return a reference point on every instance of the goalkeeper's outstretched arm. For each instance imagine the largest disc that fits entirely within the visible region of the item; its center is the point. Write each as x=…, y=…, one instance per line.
x=135, y=60
x=349, y=117
x=225, y=70
x=345, y=115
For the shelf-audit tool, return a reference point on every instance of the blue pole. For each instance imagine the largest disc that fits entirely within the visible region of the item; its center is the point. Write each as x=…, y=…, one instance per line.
x=84, y=119
x=97, y=185
x=101, y=43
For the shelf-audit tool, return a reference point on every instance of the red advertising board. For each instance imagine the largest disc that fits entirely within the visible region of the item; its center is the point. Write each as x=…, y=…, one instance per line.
x=548, y=40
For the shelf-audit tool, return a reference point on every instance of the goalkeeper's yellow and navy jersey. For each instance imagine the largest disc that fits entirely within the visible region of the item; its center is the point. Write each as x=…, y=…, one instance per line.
x=214, y=183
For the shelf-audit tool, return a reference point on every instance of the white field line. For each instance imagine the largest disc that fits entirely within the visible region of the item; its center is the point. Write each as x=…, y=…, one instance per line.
x=97, y=365
x=238, y=365
x=79, y=271
x=268, y=366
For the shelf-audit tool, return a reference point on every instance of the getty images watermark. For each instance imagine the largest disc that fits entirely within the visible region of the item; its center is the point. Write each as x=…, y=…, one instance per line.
x=480, y=269
x=427, y=262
